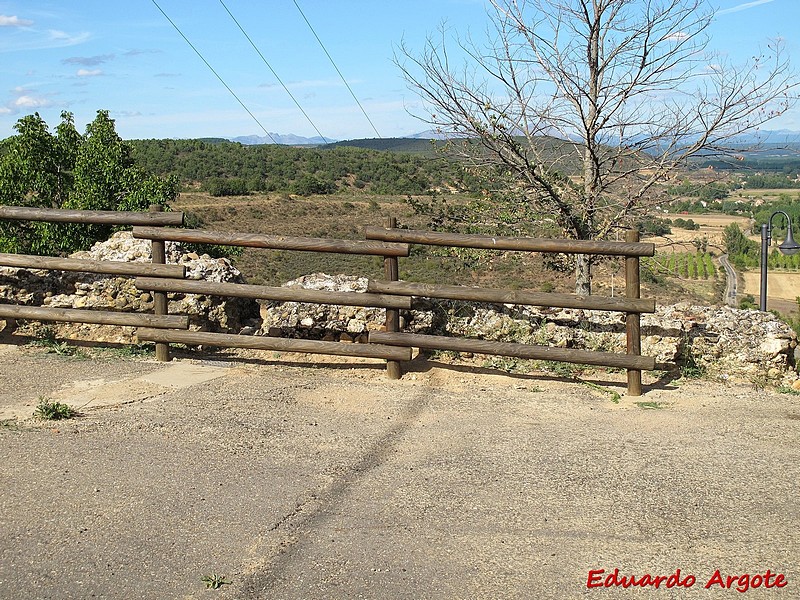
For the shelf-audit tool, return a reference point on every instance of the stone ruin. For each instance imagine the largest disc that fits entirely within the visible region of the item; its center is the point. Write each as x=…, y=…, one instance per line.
x=724, y=342
x=721, y=341
x=65, y=289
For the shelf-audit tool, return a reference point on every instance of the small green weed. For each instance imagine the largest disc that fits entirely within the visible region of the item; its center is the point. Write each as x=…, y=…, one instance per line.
x=135, y=350
x=49, y=410
x=690, y=369
x=215, y=581
x=47, y=340
x=759, y=381
x=650, y=405
x=785, y=389
x=562, y=369
x=613, y=395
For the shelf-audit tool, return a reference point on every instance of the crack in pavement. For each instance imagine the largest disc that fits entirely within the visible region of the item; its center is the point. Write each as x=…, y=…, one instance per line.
x=262, y=576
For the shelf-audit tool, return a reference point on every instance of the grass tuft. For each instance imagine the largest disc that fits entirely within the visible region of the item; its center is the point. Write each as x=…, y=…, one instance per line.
x=651, y=405
x=50, y=410
x=215, y=581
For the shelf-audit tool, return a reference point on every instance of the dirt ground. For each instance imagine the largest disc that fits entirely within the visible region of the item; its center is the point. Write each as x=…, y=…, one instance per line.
x=309, y=477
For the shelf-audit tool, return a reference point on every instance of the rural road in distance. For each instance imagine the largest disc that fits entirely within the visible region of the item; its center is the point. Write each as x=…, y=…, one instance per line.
x=731, y=284
x=334, y=482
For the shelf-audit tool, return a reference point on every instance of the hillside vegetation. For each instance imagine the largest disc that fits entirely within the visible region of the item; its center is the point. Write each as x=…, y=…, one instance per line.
x=228, y=168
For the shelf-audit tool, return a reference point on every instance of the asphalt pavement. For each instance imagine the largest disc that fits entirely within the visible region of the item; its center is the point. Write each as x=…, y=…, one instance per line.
x=280, y=480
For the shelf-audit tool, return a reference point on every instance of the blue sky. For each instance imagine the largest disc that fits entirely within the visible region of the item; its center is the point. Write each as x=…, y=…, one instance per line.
x=124, y=56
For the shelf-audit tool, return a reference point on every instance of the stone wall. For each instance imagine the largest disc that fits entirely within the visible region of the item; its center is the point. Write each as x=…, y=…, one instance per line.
x=107, y=292
x=722, y=341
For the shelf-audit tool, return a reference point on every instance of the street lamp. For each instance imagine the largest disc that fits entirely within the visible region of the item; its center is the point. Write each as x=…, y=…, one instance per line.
x=788, y=247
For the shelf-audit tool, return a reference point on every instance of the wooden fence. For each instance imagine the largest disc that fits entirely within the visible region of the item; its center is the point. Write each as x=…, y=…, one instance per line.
x=632, y=305
x=155, y=218
x=393, y=295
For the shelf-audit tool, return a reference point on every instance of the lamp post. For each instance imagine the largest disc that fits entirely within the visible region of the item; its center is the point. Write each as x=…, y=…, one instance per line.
x=788, y=247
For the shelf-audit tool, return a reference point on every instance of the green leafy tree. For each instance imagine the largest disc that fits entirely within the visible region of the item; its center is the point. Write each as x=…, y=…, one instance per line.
x=93, y=171
x=743, y=252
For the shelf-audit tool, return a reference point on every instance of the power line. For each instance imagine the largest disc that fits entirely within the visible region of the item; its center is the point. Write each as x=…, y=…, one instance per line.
x=347, y=85
x=273, y=71
x=222, y=81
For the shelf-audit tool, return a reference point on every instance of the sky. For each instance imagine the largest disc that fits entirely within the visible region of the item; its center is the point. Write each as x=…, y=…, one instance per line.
x=124, y=56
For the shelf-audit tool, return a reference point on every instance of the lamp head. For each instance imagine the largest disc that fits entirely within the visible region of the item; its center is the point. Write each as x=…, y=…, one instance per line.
x=789, y=246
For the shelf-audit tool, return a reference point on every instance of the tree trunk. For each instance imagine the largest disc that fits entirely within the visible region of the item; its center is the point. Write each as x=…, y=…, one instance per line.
x=583, y=275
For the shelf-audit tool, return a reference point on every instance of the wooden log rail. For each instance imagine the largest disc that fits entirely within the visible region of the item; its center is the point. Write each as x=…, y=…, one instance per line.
x=97, y=317
x=460, y=240
x=105, y=267
x=273, y=242
x=395, y=353
x=260, y=292
x=89, y=217
x=532, y=352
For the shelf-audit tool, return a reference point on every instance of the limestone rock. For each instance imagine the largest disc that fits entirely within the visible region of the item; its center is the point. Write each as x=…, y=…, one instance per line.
x=107, y=292
x=727, y=342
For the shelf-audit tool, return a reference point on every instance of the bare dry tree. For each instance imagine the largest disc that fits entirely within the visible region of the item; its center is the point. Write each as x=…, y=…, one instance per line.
x=630, y=85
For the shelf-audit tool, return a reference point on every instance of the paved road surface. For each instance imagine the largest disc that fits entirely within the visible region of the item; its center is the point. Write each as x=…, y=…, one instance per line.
x=334, y=482
x=732, y=281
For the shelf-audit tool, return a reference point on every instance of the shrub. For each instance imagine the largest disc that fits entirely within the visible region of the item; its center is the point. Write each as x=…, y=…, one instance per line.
x=225, y=186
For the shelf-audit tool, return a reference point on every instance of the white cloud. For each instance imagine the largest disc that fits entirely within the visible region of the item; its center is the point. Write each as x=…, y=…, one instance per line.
x=31, y=102
x=89, y=72
x=5, y=111
x=14, y=21
x=65, y=39
x=744, y=6
x=678, y=36
x=32, y=39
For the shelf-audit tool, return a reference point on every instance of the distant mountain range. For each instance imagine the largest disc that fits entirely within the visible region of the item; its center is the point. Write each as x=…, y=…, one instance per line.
x=767, y=138
x=284, y=140
x=298, y=140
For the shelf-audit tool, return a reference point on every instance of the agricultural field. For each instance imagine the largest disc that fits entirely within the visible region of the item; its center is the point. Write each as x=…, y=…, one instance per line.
x=685, y=265
x=781, y=285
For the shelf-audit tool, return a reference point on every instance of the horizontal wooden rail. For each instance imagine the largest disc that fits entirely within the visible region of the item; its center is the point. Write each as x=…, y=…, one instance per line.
x=496, y=296
x=275, y=344
x=274, y=242
x=260, y=292
x=131, y=269
x=587, y=357
x=75, y=315
x=105, y=217
x=434, y=238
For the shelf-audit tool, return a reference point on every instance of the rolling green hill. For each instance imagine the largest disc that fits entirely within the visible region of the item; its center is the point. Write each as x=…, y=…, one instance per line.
x=230, y=168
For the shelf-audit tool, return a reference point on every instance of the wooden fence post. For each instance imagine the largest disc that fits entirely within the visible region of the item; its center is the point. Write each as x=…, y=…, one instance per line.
x=391, y=270
x=633, y=320
x=160, y=305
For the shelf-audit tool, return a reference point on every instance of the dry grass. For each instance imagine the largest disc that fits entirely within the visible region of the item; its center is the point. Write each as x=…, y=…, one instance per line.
x=346, y=216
